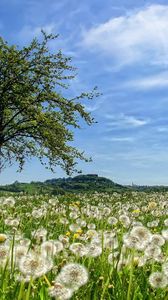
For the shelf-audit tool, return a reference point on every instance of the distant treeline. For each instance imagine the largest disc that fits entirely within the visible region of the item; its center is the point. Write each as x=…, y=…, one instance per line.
x=77, y=184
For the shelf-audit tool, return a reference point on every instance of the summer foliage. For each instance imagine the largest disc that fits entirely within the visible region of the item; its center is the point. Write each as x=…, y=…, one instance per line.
x=86, y=247
x=35, y=118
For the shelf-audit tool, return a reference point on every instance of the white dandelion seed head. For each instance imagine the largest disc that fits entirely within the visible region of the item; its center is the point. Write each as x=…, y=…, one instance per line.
x=165, y=268
x=73, y=215
x=4, y=253
x=34, y=265
x=59, y=246
x=141, y=233
x=125, y=220
x=40, y=234
x=157, y=240
x=94, y=250
x=10, y=201
x=74, y=227
x=153, y=224
x=91, y=226
x=73, y=276
x=112, y=220
x=133, y=242
x=166, y=222
x=19, y=251
x=64, y=221
x=112, y=258
x=158, y=280
x=60, y=292
x=111, y=243
x=165, y=234
x=24, y=242
x=78, y=249
x=152, y=251
x=48, y=248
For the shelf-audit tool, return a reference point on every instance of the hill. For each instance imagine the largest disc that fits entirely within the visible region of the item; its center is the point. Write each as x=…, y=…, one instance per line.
x=80, y=183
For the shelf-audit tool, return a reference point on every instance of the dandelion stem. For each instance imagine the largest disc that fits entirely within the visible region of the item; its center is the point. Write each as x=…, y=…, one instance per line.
x=130, y=279
x=20, y=296
x=46, y=280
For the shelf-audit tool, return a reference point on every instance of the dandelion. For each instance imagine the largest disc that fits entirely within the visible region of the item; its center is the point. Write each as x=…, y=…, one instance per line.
x=111, y=243
x=4, y=254
x=106, y=211
x=73, y=215
x=158, y=280
x=64, y=239
x=10, y=202
x=37, y=213
x=60, y=292
x=165, y=234
x=91, y=226
x=165, y=268
x=78, y=249
x=125, y=220
x=158, y=240
x=3, y=237
x=112, y=257
x=152, y=251
x=64, y=221
x=153, y=224
x=141, y=233
x=48, y=248
x=74, y=227
x=81, y=222
x=73, y=276
x=112, y=221
x=20, y=251
x=132, y=242
x=59, y=246
x=152, y=205
x=33, y=265
x=91, y=233
x=166, y=222
x=24, y=242
x=93, y=250
x=40, y=234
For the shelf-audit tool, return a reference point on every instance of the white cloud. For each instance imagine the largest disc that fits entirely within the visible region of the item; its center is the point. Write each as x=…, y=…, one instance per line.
x=126, y=121
x=150, y=82
x=119, y=139
x=162, y=129
x=28, y=32
x=139, y=36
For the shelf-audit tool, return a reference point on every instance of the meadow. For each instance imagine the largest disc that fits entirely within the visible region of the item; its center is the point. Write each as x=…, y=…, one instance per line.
x=87, y=246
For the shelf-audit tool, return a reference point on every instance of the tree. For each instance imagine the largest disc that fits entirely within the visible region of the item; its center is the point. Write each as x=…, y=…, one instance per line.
x=35, y=118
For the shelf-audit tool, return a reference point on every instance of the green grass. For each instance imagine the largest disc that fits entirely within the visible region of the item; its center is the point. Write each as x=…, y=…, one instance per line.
x=126, y=278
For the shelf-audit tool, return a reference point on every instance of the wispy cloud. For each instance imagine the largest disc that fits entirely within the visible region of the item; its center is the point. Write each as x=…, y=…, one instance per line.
x=125, y=121
x=119, y=139
x=28, y=32
x=138, y=36
x=163, y=129
x=149, y=82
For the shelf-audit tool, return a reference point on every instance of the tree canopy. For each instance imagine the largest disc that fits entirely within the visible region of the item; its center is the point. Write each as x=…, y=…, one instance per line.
x=36, y=120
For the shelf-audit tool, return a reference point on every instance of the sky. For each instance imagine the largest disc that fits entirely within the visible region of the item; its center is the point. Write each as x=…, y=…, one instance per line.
x=121, y=46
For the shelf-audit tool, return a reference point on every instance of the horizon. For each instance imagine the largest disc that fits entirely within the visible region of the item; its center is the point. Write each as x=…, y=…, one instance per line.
x=123, y=49
x=131, y=184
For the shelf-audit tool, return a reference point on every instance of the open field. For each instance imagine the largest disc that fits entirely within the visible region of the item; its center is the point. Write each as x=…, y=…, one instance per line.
x=87, y=247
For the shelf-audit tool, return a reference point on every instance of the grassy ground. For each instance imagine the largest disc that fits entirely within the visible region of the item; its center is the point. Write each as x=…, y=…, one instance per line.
x=84, y=247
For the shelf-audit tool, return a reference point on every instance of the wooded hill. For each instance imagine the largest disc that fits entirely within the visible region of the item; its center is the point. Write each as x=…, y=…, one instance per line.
x=80, y=183
x=77, y=184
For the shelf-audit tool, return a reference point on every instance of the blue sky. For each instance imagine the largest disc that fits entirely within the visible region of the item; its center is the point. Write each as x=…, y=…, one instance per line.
x=122, y=47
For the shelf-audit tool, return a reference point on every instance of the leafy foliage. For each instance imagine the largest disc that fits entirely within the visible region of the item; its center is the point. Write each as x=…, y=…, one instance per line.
x=35, y=118
x=80, y=183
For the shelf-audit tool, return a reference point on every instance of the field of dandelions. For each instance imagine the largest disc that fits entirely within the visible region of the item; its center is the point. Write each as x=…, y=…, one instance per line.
x=87, y=247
